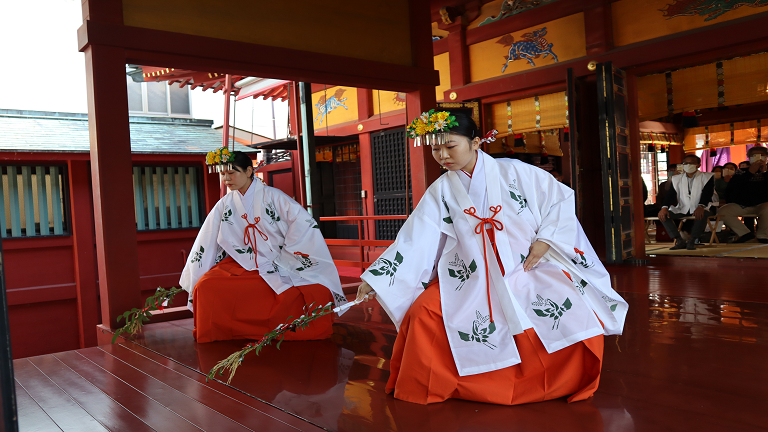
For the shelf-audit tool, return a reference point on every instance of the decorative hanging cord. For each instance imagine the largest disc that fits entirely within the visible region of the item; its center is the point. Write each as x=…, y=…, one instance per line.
x=480, y=229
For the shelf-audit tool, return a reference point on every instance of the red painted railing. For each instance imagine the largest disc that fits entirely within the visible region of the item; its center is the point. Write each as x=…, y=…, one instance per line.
x=361, y=242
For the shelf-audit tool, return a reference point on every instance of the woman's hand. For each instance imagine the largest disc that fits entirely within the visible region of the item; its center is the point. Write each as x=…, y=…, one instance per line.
x=537, y=250
x=364, y=289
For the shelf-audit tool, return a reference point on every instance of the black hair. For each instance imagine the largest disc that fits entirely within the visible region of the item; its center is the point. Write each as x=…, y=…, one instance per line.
x=745, y=162
x=716, y=167
x=698, y=159
x=755, y=149
x=467, y=127
x=241, y=162
x=735, y=167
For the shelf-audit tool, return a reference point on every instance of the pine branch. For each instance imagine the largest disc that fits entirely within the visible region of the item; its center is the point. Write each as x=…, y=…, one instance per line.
x=136, y=318
x=231, y=363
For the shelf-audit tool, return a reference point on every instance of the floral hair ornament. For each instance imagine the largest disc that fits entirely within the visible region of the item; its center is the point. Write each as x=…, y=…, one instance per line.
x=431, y=128
x=489, y=137
x=219, y=160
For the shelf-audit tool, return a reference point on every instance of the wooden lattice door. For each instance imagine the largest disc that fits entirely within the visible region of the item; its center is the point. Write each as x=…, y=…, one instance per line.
x=391, y=180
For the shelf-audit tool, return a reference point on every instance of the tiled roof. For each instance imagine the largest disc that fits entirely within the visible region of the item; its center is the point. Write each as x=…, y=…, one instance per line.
x=36, y=131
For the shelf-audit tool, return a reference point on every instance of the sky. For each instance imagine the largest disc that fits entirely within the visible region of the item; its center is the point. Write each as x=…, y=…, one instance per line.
x=42, y=70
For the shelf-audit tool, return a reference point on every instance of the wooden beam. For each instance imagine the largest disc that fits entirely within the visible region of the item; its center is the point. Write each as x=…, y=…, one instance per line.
x=84, y=259
x=423, y=170
x=598, y=27
x=524, y=20
x=636, y=178
x=146, y=46
x=690, y=48
x=111, y=172
x=458, y=53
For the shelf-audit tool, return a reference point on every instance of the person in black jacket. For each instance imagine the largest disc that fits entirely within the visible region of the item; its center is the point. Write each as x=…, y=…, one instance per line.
x=747, y=193
x=693, y=192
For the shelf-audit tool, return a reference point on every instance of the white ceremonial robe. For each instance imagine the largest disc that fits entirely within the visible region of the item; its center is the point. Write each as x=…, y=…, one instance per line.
x=293, y=254
x=440, y=240
x=688, y=200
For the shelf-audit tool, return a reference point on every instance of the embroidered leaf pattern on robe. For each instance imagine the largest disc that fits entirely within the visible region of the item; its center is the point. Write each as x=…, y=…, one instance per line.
x=304, y=261
x=227, y=215
x=581, y=260
x=550, y=309
x=312, y=223
x=461, y=271
x=385, y=267
x=274, y=269
x=272, y=213
x=612, y=303
x=522, y=258
x=339, y=299
x=522, y=203
x=198, y=257
x=220, y=256
x=243, y=250
x=447, y=219
x=480, y=331
x=580, y=285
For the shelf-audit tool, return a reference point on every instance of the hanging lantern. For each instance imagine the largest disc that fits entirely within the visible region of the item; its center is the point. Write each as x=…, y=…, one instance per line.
x=713, y=152
x=543, y=147
x=566, y=134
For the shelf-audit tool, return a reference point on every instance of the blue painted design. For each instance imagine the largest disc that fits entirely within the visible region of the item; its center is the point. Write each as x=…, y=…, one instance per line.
x=533, y=46
x=325, y=106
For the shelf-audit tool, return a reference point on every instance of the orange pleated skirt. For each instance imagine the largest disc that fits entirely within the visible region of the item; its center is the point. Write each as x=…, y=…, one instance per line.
x=232, y=303
x=423, y=371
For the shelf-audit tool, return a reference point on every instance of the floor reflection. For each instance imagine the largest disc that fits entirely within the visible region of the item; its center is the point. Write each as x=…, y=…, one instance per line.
x=683, y=363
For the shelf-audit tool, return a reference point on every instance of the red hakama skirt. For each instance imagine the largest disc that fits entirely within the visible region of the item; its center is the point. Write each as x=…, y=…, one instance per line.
x=423, y=371
x=233, y=303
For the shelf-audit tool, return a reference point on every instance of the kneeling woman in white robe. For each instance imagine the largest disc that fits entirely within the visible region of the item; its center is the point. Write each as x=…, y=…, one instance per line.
x=497, y=294
x=259, y=259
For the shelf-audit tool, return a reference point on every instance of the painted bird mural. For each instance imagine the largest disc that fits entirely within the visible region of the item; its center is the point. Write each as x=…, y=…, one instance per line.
x=710, y=9
x=325, y=106
x=533, y=45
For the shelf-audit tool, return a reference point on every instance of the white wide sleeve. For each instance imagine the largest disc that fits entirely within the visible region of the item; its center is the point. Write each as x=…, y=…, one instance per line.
x=305, y=252
x=402, y=272
x=202, y=256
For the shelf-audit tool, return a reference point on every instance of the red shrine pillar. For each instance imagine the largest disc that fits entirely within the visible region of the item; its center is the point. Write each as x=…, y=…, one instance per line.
x=424, y=170
x=112, y=181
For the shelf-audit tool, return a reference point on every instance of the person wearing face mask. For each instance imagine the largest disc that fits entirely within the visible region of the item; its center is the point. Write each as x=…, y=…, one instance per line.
x=744, y=165
x=694, y=192
x=747, y=193
x=721, y=185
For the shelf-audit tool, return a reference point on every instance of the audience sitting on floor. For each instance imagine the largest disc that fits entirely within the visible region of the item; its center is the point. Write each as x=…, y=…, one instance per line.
x=747, y=193
x=694, y=192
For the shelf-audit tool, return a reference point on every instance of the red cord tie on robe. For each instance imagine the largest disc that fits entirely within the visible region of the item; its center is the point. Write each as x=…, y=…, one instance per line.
x=249, y=236
x=480, y=229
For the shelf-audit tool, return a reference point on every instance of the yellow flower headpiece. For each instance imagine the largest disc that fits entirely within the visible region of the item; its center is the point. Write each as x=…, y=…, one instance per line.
x=219, y=160
x=431, y=127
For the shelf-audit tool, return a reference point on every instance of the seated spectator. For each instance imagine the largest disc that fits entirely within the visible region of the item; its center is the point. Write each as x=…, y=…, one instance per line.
x=747, y=193
x=718, y=173
x=693, y=191
x=729, y=169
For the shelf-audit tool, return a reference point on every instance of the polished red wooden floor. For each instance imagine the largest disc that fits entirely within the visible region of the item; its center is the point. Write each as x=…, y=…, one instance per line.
x=692, y=358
